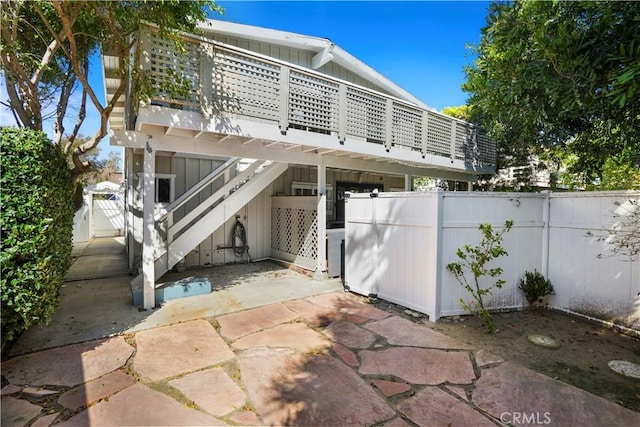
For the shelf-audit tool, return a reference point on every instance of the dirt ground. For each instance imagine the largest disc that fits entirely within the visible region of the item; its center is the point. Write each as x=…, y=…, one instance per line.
x=581, y=360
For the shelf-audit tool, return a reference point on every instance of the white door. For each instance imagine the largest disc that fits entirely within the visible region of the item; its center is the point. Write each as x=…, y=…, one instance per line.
x=108, y=217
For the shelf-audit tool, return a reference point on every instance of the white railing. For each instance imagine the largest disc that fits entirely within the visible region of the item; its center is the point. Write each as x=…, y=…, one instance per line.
x=219, y=79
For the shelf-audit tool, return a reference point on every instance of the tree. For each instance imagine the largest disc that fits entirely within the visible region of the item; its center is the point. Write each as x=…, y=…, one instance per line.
x=461, y=112
x=46, y=50
x=560, y=79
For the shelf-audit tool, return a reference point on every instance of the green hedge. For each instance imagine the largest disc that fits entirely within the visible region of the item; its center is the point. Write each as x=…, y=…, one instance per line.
x=36, y=222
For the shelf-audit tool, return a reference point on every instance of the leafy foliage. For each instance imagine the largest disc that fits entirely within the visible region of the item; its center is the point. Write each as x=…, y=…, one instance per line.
x=535, y=286
x=475, y=259
x=36, y=224
x=623, y=238
x=45, y=52
x=560, y=76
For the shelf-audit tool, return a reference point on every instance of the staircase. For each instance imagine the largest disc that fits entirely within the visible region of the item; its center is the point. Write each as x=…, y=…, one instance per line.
x=182, y=236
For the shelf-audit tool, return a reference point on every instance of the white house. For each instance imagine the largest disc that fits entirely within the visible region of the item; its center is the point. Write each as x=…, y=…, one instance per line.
x=274, y=129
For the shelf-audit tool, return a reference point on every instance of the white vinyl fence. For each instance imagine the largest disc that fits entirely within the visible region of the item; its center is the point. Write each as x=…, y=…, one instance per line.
x=399, y=244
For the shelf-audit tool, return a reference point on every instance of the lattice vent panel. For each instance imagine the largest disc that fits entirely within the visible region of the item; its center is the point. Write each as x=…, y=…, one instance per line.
x=439, y=135
x=464, y=142
x=313, y=102
x=168, y=69
x=486, y=148
x=407, y=126
x=294, y=231
x=366, y=115
x=250, y=86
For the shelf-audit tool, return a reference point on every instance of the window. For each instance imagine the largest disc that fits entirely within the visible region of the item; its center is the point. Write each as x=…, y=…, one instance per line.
x=163, y=190
x=165, y=187
x=311, y=189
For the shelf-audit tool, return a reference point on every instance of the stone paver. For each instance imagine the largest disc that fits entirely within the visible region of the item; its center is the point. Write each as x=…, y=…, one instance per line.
x=236, y=325
x=212, y=390
x=315, y=314
x=317, y=390
x=348, y=304
x=349, y=335
x=45, y=421
x=403, y=332
x=38, y=391
x=95, y=390
x=246, y=418
x=434, y=407
x=419, y=365
x=294, y=335
x=511, y=389
x=391, y=388
x=396, y=422
x=346, y=355
x=138, y=405
x=173, y=350
x=484, y=358
x=70, y=365
x=10, y=389
x=17, y=412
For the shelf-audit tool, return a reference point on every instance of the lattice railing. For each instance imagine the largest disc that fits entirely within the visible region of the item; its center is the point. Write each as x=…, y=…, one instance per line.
x=366, y=115
x=169, y=70
x=313, y=102
x=224, y=79
x=407, y=126
x=252, y=85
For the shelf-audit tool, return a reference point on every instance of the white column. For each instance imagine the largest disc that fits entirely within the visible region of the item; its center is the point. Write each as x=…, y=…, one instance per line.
x=407, y=183
x=434, y=261
x=148, y=226
x=321, y=262
x=128, y=204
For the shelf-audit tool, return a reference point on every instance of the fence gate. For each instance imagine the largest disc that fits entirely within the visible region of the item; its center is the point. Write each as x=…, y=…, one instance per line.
x=385, y=233
x=108, y=218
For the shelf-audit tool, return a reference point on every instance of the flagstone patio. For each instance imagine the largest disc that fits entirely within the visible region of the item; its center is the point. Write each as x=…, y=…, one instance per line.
x=331, y=359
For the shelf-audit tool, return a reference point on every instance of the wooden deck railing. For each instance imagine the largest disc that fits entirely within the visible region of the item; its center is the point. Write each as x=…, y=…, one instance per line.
x=217, y=79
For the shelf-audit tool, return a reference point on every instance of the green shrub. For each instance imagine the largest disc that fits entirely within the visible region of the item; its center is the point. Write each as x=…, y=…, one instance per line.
x=36, y=226
x=475, y=260
x=535, y=286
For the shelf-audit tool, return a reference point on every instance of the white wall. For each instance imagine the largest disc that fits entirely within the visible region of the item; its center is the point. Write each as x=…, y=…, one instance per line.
x=462, y=214
x=399, y=244
x=604, y=287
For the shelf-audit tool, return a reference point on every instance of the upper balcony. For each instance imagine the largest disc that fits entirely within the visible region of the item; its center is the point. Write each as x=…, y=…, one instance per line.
x=216, y=82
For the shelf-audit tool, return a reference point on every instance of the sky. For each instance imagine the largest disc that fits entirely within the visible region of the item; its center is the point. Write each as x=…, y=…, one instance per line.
x=419, y=45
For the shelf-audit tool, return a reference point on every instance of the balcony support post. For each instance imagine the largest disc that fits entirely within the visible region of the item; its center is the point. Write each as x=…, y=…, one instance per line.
x=408, y=183
x=453, y=140
x=148, y=227
x=206, y=80
x=388, y=140
x=284, y=100
x=425, y=134
x=342, y=112
x=321, y=261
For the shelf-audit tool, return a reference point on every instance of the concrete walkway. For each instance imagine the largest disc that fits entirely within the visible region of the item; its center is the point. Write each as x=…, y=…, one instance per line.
x=330, y=360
